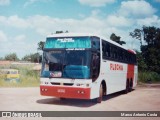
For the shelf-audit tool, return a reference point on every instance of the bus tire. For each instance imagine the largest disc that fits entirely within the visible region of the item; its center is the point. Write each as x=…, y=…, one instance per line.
x=99, y=99
x=130, y=85
x=127, y=87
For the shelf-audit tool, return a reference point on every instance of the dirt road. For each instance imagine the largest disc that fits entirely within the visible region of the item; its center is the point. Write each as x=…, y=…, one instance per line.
x=29, y=99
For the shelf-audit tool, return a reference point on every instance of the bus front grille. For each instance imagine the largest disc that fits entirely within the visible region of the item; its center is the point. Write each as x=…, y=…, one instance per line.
x=66, y=84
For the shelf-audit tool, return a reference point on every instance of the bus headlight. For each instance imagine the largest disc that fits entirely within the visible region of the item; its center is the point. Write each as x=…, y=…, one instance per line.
x=87, y=85
x=80, y=92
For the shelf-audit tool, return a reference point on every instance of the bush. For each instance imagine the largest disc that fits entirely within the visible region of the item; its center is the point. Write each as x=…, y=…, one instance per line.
x=148, y=77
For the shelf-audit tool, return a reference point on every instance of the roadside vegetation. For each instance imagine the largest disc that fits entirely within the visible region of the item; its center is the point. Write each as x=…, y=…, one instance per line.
x=149, y=56
x=148, y=77
x=28, y=76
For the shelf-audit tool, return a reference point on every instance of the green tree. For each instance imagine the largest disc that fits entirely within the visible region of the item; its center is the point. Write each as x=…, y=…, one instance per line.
x=151, y=48
x=36, y=57
x=137, y=34
x=11, y=57
x=142, y=66
x=117, y=39
x=41, y=45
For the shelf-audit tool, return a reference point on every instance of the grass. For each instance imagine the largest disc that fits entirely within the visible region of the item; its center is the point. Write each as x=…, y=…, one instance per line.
x=148, y=77
x=28, y=77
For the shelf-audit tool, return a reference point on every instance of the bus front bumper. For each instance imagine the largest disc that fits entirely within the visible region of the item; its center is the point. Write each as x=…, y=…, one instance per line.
x=65, y=92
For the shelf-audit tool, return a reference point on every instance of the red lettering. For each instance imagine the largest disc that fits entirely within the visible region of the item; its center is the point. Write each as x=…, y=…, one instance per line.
x=113, y=66
x=116, y=67
x=110, y=66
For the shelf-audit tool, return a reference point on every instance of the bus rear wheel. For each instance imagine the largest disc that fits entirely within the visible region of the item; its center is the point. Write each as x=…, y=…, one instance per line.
x=127, y=87
x=99, y=99
x=130, y=85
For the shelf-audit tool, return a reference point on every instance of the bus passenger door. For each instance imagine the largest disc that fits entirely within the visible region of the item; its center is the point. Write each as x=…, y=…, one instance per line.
x=95, y=66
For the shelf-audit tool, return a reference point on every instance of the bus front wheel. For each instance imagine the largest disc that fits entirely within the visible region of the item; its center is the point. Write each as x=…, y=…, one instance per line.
x=99, y=99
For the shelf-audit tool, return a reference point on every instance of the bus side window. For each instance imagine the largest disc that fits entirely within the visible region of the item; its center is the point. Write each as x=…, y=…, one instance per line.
x=105, y=49
x=120, y=55
x=115, y=53
x=123, y=56
x=112, y=54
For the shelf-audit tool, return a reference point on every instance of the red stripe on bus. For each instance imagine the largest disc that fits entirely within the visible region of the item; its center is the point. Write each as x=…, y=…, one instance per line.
x=130, y=69
x=130, y=72
x=65, y=92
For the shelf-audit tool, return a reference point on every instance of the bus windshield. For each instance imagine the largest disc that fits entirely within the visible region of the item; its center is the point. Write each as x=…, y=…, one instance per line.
x=66, y=64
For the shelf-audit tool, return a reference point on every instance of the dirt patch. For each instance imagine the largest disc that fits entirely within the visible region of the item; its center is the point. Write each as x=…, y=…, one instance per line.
x=5, y=62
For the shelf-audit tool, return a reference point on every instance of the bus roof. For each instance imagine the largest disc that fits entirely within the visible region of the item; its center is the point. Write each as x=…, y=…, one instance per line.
x=84, y=35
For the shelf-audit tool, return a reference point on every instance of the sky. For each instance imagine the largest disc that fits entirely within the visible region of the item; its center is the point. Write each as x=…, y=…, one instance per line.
x=24, y=23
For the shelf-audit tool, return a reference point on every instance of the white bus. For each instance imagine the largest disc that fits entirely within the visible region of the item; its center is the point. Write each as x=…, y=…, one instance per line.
x=86, y=66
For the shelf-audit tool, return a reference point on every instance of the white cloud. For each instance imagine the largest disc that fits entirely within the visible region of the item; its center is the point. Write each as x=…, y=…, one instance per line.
x=17, y=44
x=17, y=22
x=3, y=43
x=30, y=2
x=3, y=37
x=46, y=25
x=150, y=21
x=4, y=2
x=23, y=48
x=20, y=38
x=14, y=21
x=95, y=12
x=2, y=19
x=119, y=21
x=96, y=3
x=136, y=8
